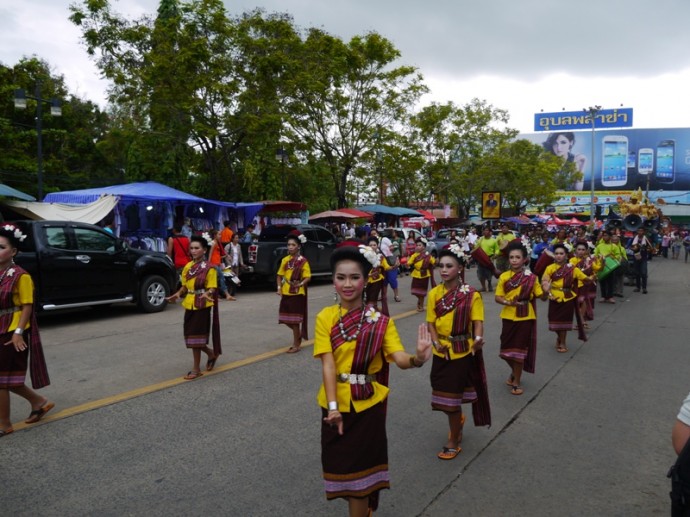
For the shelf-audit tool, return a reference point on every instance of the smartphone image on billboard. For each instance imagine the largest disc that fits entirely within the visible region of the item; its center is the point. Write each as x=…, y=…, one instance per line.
x=632, y=161
x=614, y=161
x=665, y=152
x=645, y=164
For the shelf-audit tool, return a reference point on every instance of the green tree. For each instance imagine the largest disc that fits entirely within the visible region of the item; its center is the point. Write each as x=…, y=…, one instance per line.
x=71, y=158
x=342, y=94
x=456, y=140
x=524, y=173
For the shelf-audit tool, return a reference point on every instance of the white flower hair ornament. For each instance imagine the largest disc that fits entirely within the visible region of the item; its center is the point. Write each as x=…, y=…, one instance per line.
x=568, y=246
x=423, y=239
x=371, y=256
x=207, y=238
x=302, y=238
x=525, y=242
x=15, y=231
x=456, y=250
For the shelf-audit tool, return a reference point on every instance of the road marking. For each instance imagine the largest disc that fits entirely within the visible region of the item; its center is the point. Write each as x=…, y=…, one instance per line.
x=145, y=390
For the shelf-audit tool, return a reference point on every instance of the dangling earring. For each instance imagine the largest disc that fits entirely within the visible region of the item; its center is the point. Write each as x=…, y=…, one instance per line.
x=364, y=297
x=335, y=296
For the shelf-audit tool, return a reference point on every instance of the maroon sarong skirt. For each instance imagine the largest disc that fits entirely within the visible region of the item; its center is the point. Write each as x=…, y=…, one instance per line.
x=374, y=291
x=355, y=464
x=515, y=339
x=420, y=286
x=13, y=364
x=197, y=327
x=292, y=307
x=451, y=384
x=561, y=314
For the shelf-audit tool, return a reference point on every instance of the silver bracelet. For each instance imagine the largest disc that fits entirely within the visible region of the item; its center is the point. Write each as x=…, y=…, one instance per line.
x=332, y=405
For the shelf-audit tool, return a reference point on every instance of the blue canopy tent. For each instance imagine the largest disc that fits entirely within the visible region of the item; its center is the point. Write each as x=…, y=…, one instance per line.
x=150, y=208
x=390, y=210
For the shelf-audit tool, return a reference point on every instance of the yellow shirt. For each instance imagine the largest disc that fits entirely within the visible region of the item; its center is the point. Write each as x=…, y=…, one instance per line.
x=211, y=283
x=22, y=294
x=377, y=277
x=444, y=324
x=344, y=356
x=417, y=266
x=557, y=293
x=596, y=267
x=286, y=273
x=504, y=237
x=509, y=312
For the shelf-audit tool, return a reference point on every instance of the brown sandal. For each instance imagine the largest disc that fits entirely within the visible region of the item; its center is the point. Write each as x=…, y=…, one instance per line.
x=192, y=375
x=39, y=413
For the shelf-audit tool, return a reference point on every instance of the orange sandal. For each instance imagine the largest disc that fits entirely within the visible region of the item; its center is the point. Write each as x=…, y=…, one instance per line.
x=192, y=375
x=449, y=453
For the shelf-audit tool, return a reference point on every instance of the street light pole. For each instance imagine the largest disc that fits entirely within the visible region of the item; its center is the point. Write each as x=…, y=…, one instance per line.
x=593, y=112
x=20, y=103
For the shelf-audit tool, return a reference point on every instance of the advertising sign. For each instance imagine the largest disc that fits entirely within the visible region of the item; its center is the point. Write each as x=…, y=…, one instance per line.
x=569, y=120
x=624, y=159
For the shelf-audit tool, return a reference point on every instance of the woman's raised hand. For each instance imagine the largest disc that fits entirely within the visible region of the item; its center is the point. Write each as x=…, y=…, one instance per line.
x=423, y=343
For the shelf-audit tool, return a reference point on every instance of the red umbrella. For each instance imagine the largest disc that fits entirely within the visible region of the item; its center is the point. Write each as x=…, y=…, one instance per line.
x=576, y=222
x=356, y=213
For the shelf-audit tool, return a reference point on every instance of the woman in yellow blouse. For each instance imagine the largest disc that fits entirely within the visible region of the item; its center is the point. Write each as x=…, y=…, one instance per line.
x=586, y=292
x=517, y=289
x=422, y=265
x=293, y=276
x=455, y=317
x=199, y=296
x=376, y=287
x=19, y=334
x=560, y=283
x=355, y=344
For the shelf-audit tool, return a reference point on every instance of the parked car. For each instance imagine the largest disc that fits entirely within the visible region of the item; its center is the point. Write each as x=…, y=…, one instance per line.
x=264, y=255
x=76, y=264
x=442, y=237
x=388, y=232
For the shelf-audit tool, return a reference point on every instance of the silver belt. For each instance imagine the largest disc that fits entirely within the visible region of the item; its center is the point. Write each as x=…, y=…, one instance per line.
x=353, y=378
x=197, y=291
x=9, y=311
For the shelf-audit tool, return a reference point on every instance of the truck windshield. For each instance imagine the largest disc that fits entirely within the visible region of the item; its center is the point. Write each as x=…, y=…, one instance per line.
x=275, y=233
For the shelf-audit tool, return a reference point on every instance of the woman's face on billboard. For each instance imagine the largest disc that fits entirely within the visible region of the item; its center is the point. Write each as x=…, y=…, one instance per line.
x=561, y=147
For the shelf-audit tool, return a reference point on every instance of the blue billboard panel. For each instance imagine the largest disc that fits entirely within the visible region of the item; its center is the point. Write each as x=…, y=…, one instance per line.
x=623, y=159
x=569, y=120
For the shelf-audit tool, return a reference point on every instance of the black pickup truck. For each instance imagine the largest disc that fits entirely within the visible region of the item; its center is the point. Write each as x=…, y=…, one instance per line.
x=78, y=265
x=264, y=255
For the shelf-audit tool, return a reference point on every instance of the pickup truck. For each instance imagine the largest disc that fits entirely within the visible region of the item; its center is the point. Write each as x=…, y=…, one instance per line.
x=75, y=264
x=264, y=255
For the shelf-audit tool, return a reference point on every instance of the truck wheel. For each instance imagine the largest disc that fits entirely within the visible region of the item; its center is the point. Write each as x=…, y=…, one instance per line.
x=154, y=289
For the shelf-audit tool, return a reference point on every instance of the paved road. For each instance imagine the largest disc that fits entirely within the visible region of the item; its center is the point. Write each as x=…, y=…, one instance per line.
x=590, y=436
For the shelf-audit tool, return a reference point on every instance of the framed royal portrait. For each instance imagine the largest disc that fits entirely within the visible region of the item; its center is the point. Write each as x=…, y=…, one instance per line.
x=491, y=205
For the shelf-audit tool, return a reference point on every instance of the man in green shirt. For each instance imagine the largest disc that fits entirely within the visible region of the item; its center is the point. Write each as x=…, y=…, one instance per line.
x=490, y=246
x=605, y=248
x=503, y=239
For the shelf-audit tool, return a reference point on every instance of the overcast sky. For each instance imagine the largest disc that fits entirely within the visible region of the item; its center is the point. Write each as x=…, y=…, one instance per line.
x=521, y=55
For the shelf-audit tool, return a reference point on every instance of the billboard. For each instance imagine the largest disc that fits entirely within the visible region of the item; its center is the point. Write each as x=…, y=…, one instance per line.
x=623, y=159
x=491, y=205
x=569, y=120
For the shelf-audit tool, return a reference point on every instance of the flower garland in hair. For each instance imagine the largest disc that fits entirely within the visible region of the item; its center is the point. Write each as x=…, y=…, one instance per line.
x=207, y=238
x=456, y=250
x=526, y=243
x=302, y=238
x=372, y=257
x=15, y=231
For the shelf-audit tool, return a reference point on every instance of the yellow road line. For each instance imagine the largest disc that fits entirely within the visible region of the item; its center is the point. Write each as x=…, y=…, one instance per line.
x=145, y=390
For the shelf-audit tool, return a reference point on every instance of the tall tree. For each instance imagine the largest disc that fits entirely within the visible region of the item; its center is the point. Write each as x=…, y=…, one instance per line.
x=341, y=94
x=525, y=174
x=456, y=140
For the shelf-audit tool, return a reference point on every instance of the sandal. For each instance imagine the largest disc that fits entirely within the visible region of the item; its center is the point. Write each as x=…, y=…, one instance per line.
x=6, y=432
x=586, y=326
x=561, y=349
x=516, y=390
x=397, y=299
x=211, y=363
x=39, y=413
x=449, y=453
x=192, y=375
x=292, y=350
